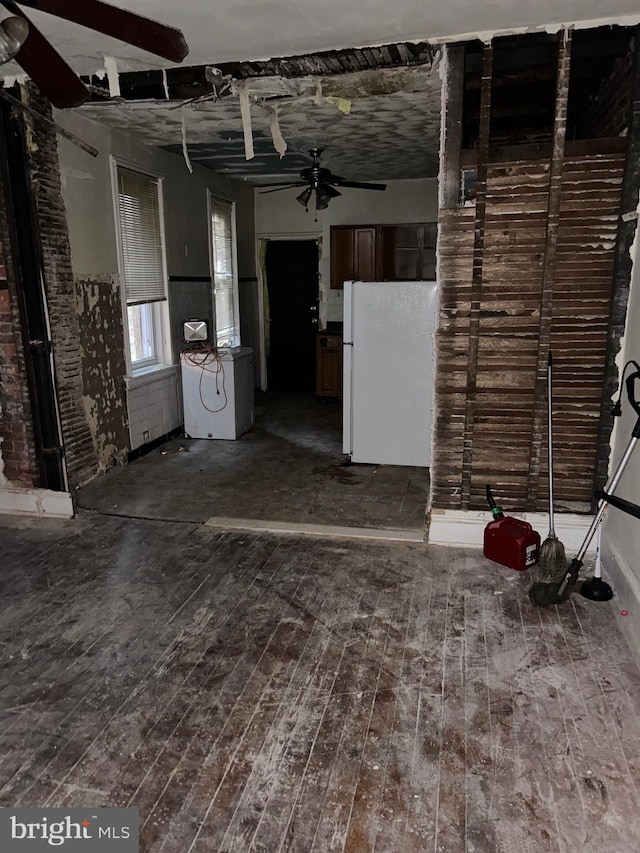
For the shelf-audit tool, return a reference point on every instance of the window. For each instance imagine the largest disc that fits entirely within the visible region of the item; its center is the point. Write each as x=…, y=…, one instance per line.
x=223, y=267
x=142, y=261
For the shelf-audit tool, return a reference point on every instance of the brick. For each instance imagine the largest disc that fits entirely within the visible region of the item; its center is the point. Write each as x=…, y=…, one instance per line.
x=80, y=452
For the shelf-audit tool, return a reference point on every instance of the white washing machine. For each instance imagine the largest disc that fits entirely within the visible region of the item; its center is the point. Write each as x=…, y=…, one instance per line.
x=217, y=393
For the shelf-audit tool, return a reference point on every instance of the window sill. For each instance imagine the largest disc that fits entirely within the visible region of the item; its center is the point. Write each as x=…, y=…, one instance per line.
x=150, y=374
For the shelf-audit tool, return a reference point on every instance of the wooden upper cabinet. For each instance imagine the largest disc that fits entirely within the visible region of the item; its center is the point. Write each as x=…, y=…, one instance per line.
x=342, y=256
x=404, y=252
x=365, y=267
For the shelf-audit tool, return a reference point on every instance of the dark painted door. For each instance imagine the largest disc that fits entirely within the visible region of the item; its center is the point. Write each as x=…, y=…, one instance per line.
x=292, y=282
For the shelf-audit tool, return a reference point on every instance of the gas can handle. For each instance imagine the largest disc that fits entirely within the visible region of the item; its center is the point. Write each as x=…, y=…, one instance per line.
x=490, y=499
x=496, y=512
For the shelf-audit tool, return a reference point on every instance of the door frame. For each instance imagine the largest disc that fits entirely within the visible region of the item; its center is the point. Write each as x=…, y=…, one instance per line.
x=261, y=252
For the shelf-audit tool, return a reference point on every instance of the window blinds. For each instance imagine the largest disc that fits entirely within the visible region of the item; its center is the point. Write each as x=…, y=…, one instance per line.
x=223, y=272
x=141, y=237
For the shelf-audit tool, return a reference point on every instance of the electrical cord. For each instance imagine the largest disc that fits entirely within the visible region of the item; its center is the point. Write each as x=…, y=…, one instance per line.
x=616, y=411
x=207, y=358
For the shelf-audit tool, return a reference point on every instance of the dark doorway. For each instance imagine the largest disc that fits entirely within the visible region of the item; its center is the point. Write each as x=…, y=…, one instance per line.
x=292, y=282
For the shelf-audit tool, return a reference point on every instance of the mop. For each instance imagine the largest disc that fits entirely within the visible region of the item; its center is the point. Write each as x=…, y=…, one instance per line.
x=546, y=594
x=552, y=563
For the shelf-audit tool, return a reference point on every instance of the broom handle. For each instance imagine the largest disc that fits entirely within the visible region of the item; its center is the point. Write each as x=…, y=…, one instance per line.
x=552, y=531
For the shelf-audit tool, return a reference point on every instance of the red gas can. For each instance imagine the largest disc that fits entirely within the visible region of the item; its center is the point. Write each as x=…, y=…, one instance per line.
x=509, y=541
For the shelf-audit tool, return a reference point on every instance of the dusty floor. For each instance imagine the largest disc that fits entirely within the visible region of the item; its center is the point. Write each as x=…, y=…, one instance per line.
x=288, y=469
x=263, y=693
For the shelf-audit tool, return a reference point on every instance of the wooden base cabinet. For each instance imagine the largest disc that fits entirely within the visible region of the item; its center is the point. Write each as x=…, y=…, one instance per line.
x=328, y=365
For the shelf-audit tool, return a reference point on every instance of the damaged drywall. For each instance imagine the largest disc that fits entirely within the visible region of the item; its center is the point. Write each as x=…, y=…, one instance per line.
x=236, y=32
x=384, y=121
x=102, y=346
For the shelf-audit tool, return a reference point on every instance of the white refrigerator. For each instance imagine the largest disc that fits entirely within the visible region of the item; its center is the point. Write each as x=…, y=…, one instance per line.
x=389, y=330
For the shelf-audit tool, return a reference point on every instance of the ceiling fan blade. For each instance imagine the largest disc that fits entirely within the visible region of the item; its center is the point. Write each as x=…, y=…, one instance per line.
x=340, y=182
x=48, y=70
x=121, y=24
x=287, y=187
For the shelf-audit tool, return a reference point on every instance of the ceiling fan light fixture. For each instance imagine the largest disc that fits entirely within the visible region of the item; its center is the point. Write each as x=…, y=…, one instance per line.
x=14, y=31
x=304, y=197
x=324, y=194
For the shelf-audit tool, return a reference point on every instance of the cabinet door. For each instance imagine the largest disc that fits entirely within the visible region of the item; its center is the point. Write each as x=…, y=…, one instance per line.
x=342, y=257
x=365, y=254
x=329, y=366
x=388, y=252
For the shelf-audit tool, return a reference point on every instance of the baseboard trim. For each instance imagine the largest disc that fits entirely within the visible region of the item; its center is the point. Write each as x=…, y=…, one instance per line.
x=462, y=528
x=626, y=584
x=144, y=449
x=259, y=525
x=36, y=503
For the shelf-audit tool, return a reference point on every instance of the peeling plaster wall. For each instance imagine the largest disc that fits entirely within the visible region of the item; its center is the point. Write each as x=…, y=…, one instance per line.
x=87, y=191
x=103, y=368
x=280, y=215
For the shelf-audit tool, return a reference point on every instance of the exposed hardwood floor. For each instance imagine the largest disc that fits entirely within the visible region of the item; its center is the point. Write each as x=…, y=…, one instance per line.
x=278, y=693
x=289, y=469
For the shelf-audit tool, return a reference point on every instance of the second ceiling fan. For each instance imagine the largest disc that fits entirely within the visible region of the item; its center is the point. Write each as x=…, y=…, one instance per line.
x=316, y=179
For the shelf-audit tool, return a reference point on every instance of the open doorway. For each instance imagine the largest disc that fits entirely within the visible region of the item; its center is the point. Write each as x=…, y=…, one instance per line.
x=292, y=286
x=357, y=210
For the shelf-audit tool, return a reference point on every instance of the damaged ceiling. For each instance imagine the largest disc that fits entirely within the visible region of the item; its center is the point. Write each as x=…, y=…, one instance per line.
x=374, y=125
x=230, y=30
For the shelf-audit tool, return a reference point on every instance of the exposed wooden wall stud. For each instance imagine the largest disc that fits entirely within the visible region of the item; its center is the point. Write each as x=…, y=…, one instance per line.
x=476, y=278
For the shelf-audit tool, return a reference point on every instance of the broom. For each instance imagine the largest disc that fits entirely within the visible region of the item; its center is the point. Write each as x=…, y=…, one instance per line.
x=552, y=564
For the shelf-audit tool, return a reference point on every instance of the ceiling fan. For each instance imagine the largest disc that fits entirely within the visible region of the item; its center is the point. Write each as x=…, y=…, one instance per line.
x=322, y=182
x=21, y=40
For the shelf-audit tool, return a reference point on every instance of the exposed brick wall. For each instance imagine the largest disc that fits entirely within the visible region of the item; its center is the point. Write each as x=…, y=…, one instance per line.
x=16, y=425
x=608, y=113
x=42, y=148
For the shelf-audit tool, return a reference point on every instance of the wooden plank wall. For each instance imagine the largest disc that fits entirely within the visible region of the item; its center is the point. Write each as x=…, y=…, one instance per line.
x=516, y=219
x=589, y=209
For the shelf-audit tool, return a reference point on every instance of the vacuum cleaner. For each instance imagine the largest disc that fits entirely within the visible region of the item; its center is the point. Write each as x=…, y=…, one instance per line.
x=547, y=594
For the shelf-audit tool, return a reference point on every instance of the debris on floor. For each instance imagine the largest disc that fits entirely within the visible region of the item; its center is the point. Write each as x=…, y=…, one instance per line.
x=167, y=450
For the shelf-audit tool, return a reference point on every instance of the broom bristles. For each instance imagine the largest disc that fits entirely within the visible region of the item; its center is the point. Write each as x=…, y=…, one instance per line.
x=552, y=564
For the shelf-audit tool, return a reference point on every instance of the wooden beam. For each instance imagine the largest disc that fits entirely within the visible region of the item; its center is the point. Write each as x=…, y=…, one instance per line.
x=476, y=278
x=538, y=431
x=627, y=225
x=453, y=125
